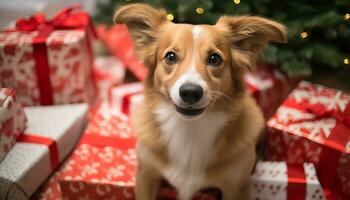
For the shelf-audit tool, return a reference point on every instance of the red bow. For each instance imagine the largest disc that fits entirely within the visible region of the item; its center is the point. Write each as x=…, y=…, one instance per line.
x=321, y=113
x=69, y=18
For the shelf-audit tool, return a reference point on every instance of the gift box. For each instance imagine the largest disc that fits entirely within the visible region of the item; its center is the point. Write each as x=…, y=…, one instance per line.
x=49, y=61
x=51, y=134
x=100, y=167
x=278, y=180
x=119, y=42
x=313, y=125
x=108, y=72
x=126, y=97
x=12, y=120
x=269, y=86
x=101, y=121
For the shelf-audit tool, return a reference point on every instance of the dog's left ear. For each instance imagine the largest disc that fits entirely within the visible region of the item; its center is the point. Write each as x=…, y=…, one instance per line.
x=143, y=22
x=250, y=34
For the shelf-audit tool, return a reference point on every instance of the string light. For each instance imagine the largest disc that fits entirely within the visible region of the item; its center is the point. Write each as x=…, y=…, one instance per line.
x=200, y=10
x=304, y=35
x=346, y=61
x=237, y=1
x=347, y=16
x=170, y=17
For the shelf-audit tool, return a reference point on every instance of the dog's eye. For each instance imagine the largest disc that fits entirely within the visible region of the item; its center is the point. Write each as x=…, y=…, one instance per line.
x=170, y=58
x=214, y=59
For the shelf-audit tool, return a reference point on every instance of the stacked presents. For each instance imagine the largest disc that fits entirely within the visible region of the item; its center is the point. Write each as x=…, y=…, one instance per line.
x=65, y=131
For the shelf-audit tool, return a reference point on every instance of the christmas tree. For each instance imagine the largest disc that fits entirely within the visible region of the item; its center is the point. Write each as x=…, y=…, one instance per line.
x=318, y=31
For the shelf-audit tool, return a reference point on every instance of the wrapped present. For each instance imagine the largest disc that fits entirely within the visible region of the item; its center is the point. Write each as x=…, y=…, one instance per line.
x=49, y=61
x=51, y=134
x=100, y=167
x=12, y=120
x=101, y=121
x=126, y=97
x=278, y=180
x=118, y=41
x=313, y=125
x=108, y=72
x=269, y=86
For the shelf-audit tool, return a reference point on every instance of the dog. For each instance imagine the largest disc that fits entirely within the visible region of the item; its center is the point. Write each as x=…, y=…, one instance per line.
x=197, y=125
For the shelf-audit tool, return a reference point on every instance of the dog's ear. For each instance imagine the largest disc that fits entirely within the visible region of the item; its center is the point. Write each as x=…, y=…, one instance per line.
x=143, y=22
x=249, y=35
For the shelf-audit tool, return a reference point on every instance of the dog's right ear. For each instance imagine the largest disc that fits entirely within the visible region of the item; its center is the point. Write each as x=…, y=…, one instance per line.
x=142, y=21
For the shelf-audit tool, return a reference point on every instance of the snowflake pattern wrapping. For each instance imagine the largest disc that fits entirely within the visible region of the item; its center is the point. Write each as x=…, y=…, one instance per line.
x=313, y=125
x=12, y=120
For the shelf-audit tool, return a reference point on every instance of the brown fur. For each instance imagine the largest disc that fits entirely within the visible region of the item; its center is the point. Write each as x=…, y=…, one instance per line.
x=239, y=41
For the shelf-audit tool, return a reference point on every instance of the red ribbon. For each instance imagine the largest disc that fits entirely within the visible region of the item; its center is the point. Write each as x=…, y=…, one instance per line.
x=126, y=102
x=50, y=143
x=67, y=19
x=296, y=188
x=333, y=145
x=112, y=141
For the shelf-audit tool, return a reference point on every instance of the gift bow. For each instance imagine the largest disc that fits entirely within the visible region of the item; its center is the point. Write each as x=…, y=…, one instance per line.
x=68, y=18
x=321, y=112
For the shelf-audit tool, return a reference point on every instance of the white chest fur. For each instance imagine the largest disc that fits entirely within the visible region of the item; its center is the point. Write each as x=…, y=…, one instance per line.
x=190, y=146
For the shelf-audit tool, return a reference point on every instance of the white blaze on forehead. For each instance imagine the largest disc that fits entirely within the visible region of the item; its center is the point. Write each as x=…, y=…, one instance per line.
x=196, y=31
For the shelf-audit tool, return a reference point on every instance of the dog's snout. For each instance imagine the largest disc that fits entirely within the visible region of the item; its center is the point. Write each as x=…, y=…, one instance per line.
x=191, y=93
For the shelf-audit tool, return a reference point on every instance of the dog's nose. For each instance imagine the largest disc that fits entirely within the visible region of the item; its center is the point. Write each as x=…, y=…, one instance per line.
x=191, y=93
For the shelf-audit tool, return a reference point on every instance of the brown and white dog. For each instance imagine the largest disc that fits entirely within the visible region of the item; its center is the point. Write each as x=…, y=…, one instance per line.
x=197, y=126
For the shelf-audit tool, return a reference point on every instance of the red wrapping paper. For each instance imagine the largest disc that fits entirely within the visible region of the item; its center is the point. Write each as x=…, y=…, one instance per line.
x=312, y=125
x=12, y=120
x=48, y=61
